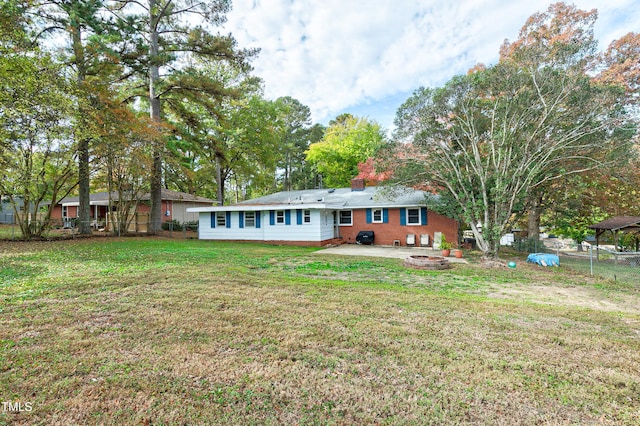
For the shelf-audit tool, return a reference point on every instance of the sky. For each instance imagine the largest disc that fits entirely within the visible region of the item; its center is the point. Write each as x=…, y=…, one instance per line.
x=366, y=57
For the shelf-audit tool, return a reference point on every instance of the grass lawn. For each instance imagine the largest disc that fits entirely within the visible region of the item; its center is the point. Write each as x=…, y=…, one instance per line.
x=158, y=331
x=606, y=268
x=8, y=232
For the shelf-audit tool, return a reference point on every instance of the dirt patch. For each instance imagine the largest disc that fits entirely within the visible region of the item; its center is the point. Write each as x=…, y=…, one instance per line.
x=493, y=264
x=427, y=262
x=569, y=296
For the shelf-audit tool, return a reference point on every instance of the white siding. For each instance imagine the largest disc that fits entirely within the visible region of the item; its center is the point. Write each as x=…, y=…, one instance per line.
x=232, y=233
x=326, y=220
x=292, y=232
x=320, y=228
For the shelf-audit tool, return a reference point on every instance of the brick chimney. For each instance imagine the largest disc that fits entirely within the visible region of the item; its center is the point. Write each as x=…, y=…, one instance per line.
x=357, y=184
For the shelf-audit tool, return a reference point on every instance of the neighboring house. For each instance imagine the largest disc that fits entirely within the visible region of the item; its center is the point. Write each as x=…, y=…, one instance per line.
x=323, y=216
x=174, y=207
x=7, y=212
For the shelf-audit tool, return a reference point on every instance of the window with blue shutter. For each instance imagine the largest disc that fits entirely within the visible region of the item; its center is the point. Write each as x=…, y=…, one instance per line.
x=377, y=215
x=423, y=213
x=258, y=216
x=403, y=217
x=413, y=216
x=299, y=217
x=213, y=220
x=272, y=217
x=241, y=219
x=221, y=219
x=228, y=218
x=385, y=215
x=368, y=215
x=248, y=219
x=287, y=217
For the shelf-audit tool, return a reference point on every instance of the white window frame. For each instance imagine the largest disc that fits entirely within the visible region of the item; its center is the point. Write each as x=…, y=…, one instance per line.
x=65, y=212
x=373, y=216
x=419, y=222
x=221, y=219
x=341, y=223
x=250, y=222
x=280, y=217
x=306, y=216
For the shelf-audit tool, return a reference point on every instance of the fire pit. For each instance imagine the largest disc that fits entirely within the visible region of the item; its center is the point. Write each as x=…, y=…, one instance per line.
x=427, y=262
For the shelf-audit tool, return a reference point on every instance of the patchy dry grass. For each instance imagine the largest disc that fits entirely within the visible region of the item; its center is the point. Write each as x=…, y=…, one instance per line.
x=8, y=232
x=154, y=331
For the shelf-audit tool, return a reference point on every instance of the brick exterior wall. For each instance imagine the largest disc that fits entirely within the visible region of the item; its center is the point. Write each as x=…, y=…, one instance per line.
x=387, y=233
x=56, y=213
x=72, y=211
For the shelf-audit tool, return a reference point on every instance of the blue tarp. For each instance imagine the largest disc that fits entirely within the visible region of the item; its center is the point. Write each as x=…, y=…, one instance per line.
x=544, y=259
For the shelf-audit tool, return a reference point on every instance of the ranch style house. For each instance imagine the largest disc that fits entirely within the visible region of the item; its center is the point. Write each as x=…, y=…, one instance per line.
x=174, y=207
x=318, y=217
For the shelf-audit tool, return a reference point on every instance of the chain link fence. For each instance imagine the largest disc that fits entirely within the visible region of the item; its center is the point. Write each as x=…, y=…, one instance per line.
x=597, y=261
x=6, y=218
x=68, y=228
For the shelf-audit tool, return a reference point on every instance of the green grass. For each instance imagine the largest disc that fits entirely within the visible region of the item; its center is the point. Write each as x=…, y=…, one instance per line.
x=622, y=273
x=155, y=331
x=8, y=232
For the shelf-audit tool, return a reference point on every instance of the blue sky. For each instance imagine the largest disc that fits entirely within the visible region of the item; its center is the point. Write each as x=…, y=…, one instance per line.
x=366, y=57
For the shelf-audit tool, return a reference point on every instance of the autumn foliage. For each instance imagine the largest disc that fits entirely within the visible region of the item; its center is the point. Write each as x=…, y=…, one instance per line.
x=502, y=136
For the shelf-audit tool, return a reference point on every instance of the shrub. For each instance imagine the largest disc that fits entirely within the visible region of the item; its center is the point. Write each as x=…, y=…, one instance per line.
x=191, y=226
x=172, y=225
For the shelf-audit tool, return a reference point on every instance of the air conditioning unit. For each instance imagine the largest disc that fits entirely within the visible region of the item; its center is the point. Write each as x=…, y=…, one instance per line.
x=411, y=239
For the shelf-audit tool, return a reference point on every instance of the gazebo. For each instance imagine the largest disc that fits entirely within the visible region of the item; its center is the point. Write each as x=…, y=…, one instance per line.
x=617, y=224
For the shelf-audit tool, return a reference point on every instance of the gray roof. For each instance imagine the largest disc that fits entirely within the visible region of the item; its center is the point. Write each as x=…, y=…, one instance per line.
x=346, y=197
x=167, y=195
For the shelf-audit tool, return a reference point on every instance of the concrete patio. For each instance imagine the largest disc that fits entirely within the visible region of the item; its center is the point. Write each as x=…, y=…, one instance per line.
x=386, y=251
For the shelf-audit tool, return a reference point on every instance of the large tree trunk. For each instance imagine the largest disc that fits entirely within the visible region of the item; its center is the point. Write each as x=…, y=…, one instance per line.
x=287, y=171
x=220, y=183
x=84, y=203
x=154, y=111
x=156, y=192
x=488, y=246
x=535, y=212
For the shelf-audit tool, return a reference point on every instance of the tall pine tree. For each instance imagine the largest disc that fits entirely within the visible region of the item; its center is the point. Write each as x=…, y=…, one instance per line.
x=168, y=33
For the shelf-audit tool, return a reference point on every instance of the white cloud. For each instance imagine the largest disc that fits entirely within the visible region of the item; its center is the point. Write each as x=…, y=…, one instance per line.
x=337, y=54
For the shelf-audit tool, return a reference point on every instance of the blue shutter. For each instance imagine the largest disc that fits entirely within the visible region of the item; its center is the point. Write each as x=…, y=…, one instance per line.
x=272, y=217
x=423, y=214
x=299, y=217
x=287, y=217
x=241, y=219
x=385, y=215
x=258, y=216
x=368, y=215
x=228, y=219
x=213, y=220
x=403, y=217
